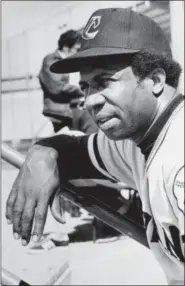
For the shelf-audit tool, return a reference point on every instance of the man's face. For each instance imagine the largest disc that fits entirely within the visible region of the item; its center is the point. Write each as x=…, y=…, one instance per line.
x=74, y=49
x=121, y=106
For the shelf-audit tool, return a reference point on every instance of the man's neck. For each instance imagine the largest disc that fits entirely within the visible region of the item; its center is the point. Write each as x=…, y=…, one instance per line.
x=150, y=137
x=163, y=101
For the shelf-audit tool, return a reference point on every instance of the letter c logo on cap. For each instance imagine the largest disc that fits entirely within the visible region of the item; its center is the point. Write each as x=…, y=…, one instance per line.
x=90, y=30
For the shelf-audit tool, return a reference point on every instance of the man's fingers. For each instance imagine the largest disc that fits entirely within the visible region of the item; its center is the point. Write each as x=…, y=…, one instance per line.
x=27, y=220
x=57, y=207
x=17, y=214
x=40, y=219
x=10, y=203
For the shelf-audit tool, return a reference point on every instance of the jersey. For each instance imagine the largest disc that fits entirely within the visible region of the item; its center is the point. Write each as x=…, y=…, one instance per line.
x=160, y=183
x=158, y=177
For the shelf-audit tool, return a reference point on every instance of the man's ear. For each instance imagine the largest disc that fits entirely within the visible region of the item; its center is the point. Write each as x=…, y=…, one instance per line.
x=158, y=77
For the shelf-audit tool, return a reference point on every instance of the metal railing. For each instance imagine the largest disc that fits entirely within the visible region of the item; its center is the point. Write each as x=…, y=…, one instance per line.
x=16, y=85
x=8, y=278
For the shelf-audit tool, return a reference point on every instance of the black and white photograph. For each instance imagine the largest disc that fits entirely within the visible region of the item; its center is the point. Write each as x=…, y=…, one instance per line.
x=92, y=143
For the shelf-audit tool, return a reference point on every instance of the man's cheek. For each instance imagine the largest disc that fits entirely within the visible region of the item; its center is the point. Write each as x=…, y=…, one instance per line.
x=114, y=95
x=121, y=100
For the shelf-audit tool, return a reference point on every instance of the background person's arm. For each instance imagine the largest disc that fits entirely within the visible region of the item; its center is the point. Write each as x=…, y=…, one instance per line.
x=56, y=83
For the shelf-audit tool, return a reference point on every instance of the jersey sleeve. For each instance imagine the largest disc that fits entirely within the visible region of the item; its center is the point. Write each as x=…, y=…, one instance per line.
x=90, y=157
x=108, y=159
x=73, y=158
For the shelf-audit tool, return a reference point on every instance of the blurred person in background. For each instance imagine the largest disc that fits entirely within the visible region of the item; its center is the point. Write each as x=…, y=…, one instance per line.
x=57, y=89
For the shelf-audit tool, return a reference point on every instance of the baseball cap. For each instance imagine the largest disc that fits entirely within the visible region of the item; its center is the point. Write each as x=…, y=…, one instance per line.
x=115, y=31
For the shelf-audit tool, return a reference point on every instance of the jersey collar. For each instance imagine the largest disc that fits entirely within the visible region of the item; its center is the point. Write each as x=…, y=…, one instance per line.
x=147, y=143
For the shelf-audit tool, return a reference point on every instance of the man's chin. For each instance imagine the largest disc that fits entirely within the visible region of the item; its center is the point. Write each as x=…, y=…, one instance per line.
x=114, y=136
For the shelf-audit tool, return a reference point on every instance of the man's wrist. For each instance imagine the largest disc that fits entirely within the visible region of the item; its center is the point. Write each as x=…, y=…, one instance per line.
x=38, y=149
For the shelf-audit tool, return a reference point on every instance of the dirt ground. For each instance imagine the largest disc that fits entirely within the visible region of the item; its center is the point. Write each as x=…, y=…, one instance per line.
x=119, y=262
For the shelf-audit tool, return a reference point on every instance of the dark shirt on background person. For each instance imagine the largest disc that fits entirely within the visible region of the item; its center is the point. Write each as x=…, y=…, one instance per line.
x=57, y=90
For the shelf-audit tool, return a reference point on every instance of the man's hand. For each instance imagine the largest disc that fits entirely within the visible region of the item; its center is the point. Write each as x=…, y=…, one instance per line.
x=32, y=190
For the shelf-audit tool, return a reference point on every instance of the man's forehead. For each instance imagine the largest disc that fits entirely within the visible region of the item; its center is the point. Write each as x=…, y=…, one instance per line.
x=92, y=70
x=109, y=69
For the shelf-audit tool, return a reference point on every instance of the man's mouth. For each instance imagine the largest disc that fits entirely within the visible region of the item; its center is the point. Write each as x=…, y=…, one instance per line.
x=108, y=122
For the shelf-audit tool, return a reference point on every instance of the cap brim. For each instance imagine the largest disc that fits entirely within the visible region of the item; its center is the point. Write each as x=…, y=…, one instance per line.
x=91, y=57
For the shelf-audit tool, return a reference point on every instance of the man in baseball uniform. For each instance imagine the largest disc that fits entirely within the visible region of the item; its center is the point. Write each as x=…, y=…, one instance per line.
x=131, y=85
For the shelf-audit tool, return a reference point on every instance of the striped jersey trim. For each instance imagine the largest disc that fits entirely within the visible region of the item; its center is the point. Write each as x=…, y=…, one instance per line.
x=96, y=159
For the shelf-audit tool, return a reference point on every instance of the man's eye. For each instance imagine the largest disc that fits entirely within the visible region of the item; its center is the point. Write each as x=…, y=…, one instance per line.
x=104, y=82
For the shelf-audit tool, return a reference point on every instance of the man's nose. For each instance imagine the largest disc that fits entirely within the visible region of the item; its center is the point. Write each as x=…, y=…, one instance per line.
x=94, y=100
